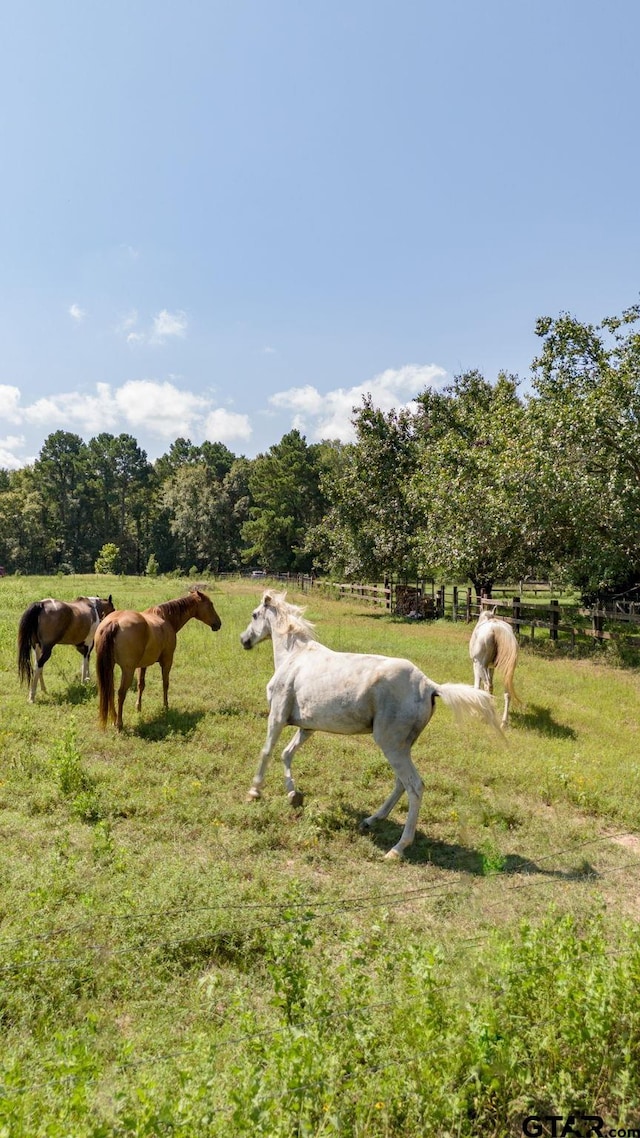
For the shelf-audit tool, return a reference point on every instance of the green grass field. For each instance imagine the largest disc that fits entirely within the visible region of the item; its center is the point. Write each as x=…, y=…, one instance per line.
x=175, y=960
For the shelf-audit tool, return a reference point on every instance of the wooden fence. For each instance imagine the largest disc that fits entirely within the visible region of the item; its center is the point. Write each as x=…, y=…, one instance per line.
x=422, y=600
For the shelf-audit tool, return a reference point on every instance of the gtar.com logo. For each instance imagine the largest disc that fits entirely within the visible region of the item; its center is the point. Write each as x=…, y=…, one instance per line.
x=580, y=1125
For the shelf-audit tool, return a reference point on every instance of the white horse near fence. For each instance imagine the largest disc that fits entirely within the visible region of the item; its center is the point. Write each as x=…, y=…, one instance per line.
x=493, y=645
x=316, y=689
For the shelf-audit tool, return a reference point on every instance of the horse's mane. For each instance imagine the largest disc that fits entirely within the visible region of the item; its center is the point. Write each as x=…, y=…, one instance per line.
x=290, y=617
x=170, y=608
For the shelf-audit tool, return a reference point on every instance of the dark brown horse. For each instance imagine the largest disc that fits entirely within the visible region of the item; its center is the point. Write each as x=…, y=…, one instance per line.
x=138, y=639
x=47, y=623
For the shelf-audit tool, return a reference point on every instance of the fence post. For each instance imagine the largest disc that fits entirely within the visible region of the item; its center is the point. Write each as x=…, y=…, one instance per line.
x=440, y=609
x=516, y=605
x=454, y=604
x=554, y=620
x=387, y=592
x=597, y=621
x=468, y=606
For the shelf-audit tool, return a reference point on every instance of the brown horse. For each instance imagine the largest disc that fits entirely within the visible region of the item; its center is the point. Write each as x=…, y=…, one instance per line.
x=47, y=623
x=138, y=639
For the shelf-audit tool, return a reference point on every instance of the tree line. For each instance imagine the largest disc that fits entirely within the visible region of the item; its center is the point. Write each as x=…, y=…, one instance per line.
x=477, y=482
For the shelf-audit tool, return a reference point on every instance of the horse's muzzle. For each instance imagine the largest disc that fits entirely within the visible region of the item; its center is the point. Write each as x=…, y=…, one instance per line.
x=246, y=641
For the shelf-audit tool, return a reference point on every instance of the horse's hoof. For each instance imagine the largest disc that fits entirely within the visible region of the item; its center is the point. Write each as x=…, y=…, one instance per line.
x=296, y=797
x=253, y=795
x=365, y=826
x=393, y=855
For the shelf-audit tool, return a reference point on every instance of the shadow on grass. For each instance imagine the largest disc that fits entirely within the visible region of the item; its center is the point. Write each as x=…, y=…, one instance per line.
x=463, y=859
x=167, y=723
x=452, y=855
x=536, y=718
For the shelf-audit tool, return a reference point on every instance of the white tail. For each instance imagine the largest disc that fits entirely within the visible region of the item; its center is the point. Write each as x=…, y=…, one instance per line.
x=465, y=700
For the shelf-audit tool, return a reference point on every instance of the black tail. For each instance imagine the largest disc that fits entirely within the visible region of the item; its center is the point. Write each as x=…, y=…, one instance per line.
x=105, y=663
x=27, y=637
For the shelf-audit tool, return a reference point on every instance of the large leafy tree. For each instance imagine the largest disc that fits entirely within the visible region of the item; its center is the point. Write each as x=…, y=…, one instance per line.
x=471, y=485
x=370, y=525
x=586, y=421
x=206, y=513
x=287, y=501
x=26, y=542
x=61, y=472
x=118, y=480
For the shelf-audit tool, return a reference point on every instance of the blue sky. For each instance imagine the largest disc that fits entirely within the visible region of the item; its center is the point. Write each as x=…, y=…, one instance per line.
x=222, y=220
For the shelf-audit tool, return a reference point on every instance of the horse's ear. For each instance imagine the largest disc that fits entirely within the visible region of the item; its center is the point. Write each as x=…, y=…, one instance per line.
x=267, y=599
x=110, y=599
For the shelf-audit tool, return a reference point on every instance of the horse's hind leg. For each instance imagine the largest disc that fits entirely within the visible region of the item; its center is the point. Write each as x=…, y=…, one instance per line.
x=41, y=655
x=414, y=786
x=482, y=676
x=141, y=686
x=125, y=683
x=505, y=714
x=407, y=778
x=294, y=796
x=386, y=808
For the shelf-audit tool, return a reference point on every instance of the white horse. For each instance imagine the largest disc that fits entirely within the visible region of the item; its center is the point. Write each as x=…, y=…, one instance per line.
x=347, y=693
x=493, y=644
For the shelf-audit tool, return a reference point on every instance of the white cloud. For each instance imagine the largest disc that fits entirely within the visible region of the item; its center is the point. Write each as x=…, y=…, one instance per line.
x=160, y=407
x=168, y=324
x=329, y=416
x=10, y=409
x=77, y=313
x=74, y=410
x=8, y=445
x=223, y=426
x=164, y=325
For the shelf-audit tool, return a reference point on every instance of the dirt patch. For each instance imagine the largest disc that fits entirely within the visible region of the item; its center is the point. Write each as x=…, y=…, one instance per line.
x=628, y=841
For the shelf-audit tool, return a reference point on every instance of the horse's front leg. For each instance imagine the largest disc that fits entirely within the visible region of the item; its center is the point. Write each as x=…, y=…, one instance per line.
x=274, y=731
x=295, y=796
x=141, y=686
x=165, y=664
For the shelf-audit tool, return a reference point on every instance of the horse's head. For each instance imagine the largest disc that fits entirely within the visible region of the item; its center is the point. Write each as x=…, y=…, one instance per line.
x=259, y=627
x=275, y=616
x=102, y=605
x=105, y=605
x=205, y=611
x=487, y=613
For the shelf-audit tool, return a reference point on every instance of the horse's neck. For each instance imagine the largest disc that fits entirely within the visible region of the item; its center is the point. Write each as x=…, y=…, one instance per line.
x=178, y=619
x=285, y=644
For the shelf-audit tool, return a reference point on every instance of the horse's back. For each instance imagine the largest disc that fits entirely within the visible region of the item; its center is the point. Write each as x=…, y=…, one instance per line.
x=347, y=692
x=140, y=637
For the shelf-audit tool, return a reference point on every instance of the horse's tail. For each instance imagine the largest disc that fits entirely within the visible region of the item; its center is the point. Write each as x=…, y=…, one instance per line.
x=105, y=644
x=465, y=700
x=506, y=655
x=27, y=636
